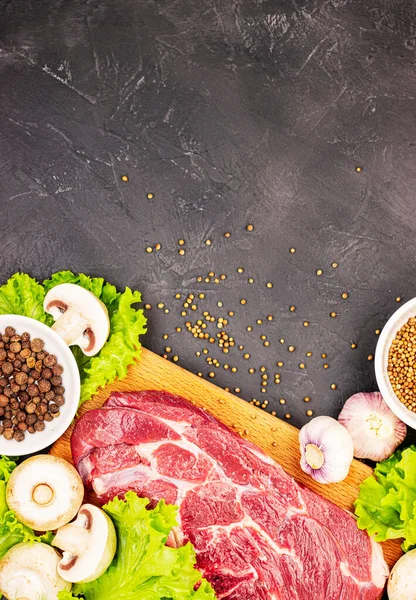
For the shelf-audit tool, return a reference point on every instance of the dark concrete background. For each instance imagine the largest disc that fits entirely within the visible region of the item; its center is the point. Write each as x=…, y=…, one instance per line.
x=229, y=113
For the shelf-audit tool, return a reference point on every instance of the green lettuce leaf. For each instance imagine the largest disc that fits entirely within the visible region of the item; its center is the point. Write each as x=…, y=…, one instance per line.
x=143, y=566
x=23, y=295
x=386, y=505
x=126, y=325
x=12, y=532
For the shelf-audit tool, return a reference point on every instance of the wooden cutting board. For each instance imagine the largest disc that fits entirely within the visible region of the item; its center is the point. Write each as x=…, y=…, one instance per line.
x=278, y=438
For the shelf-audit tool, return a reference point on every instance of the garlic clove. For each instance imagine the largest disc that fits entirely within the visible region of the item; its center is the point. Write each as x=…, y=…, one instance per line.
x=375, y=429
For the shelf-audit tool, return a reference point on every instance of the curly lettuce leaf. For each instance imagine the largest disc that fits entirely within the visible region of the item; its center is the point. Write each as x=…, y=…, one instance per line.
x=23, y=295
x=143, y=566
x=126, y=325
x=7, y=465
x=12, y=532
x=386, y=505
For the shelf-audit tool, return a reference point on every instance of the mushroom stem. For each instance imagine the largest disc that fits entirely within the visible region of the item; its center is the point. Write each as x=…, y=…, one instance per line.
x=26, y=585
x=70, y=326
x=72, y=539
x=43, y=494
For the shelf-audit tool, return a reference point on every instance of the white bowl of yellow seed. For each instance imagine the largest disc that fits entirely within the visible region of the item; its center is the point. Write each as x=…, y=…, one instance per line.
x=394, y=368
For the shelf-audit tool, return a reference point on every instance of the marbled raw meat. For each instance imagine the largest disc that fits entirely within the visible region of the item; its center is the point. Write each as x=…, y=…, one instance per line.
x=258, y=534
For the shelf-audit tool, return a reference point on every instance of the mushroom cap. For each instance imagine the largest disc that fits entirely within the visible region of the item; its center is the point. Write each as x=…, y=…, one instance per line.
x=31, y=569
x=86, y=308
x=45, y=492
x=92, y=542
x=402, y=580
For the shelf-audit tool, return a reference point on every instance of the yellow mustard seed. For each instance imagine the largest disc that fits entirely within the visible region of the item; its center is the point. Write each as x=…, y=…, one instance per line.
x=168, y=349
x=250, y=227
x=370, y=357
x=124, y=178
x=240, y=270
x=181, y=242
x=282, y=401
x=149, y=249
x=291, y=348
x=227, y=234
x=288, y=416
x=358, y=169
x=243, y=301
x=319, y=272
x=280, y=363
x=344, y=295
x=333, y=386
x=306, y=323
x=181, y=251
x=269, y=284
x=270, y=317
x=309, y=413
x=150, y=195
x=250, y=280
x=292, y=250
x=292, y=308
x=398, y=299
x=161, y=305
x=307, y=399
x=333, y=314
x=208, y=242
x=377, y=331
x=175, y=358
x=302, y=366
x=334, y=265
x=353, y=345
x=158, y=246
x=323, y=355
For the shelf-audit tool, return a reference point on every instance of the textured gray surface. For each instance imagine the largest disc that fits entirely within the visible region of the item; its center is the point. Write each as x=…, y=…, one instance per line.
x=229, y=113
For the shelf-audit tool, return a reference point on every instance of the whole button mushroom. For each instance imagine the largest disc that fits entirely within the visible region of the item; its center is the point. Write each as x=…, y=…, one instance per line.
x=28, y=571
x=45, y=492
x=88, y=544
x=81, y=319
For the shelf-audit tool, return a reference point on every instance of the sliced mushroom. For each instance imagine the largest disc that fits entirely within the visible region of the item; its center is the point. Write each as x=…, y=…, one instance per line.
x=81, y=319
x=28, y=571
x=45, y=492
x=88, y=544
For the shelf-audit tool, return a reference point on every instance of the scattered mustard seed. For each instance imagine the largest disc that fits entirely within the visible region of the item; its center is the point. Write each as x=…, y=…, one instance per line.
x=161, y=305
x=270, y=317
x=358, y=169
x=150, y=195
x=325, y=366
x=282, y=341
x=158, y=246
x=288, y=416
x=323, y=355
x=292, y=250
x=149, y=249
x=334, y=265
x=250, y=280
x=175, y=358
x=319, y=272
x=302, y=366
x=306, y=323
x=208, y=242
x=243, y=301
x=148, y=306
x=309, y=413
x=282, y=401
x=353, y=345
x=240, y=270
x=181, y=242
x=333, y=386
x=250, y=227
x=344, y=295
x=181, y=251
x=292, y=308
x=370, y=357
x=124, y=178
x=291, y=348
x=269, y=284
x=398, y=299
x=306, y=399
x=165, y=336
x=227, y=234
x=333, y=314
x=168, y=349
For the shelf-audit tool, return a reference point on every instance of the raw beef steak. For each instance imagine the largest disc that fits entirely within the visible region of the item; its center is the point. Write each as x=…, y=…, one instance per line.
x=258, y=534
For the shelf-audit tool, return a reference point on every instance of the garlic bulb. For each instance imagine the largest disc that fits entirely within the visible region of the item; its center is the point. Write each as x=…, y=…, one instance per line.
x=375, y=429
x=326, y=450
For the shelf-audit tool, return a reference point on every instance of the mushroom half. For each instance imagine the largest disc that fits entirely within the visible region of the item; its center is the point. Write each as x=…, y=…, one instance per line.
x=28, y=571
x=81, y=319
x=45, y=492
x=88, y=544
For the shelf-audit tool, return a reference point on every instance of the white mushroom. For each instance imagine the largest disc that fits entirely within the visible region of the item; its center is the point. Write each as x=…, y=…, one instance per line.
x=45, y=492
x=28, y=571
x=402, y=580
x=81, y=319
x=88, y=544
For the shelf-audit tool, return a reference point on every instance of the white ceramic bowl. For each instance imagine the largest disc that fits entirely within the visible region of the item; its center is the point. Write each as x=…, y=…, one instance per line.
x=54, y=344
x=396, y=321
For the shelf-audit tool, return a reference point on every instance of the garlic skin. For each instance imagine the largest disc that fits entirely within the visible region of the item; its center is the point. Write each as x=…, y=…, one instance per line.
x=327, y=450
x=375, y=429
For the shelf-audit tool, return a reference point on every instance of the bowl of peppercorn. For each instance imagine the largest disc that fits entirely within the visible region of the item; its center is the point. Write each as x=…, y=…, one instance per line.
x=395, y=363
x=39, y=385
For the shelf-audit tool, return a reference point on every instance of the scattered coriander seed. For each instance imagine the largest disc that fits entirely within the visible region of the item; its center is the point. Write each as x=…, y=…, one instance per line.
x=306, y=399
x=333, y=386
x=291, y=348
x=358, y=169
x=309, y=413
x=370, y=357
x=124, y=178
x=150, y=195
x=181, y=251
x=333, y=314
x=319, y=272
x=227, y=234
x=149, y=249
x=292, y=250
x=208, y=242
x=269, y=284
x=243, y=301
x=353, y=345
x=250, y=227
x=292, y=308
